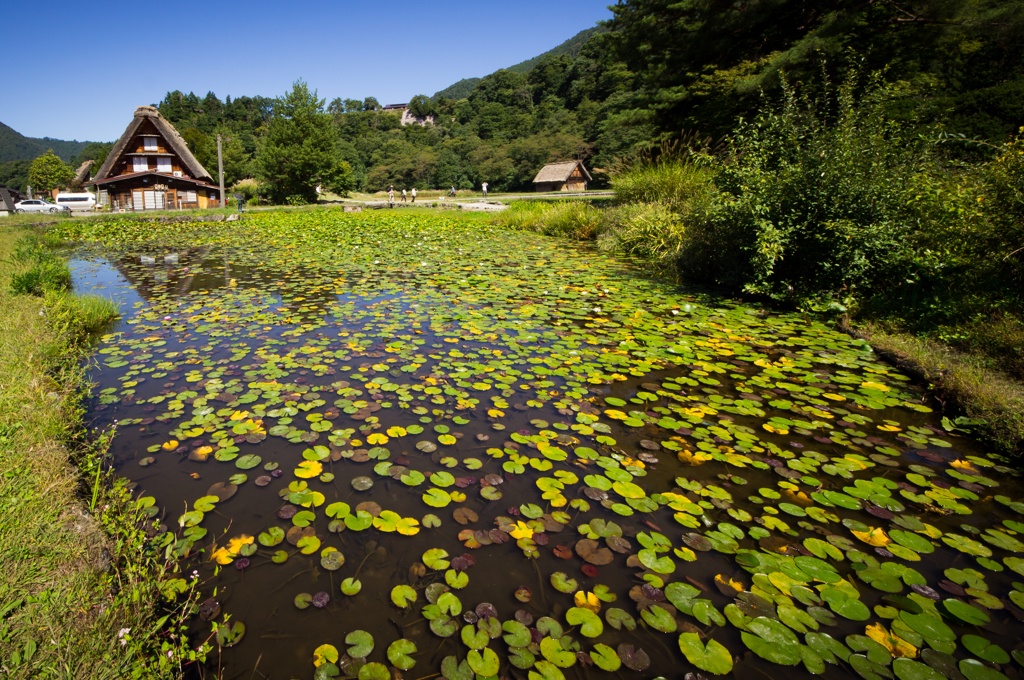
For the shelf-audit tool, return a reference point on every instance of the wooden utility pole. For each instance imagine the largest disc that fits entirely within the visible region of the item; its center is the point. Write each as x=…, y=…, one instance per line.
x=220, y=170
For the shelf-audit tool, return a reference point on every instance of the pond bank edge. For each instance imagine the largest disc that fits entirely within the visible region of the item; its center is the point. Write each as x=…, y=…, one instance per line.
x=958, y=381
x=83, y=592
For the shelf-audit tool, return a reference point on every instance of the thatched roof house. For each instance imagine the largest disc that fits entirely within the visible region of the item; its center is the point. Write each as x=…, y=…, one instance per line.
x=82, y=173
x=151, y=168
x=564, y=176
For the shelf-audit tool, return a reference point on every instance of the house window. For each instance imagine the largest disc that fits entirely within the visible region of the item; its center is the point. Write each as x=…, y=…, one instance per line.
x=163, y=165
x=149, y=143
x=140, y=163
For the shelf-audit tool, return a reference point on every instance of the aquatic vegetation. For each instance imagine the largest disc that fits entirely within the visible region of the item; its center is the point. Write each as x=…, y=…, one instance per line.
x=464, y=450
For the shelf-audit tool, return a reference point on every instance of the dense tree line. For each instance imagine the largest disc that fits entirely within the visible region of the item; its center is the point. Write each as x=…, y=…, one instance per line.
x=665, y=68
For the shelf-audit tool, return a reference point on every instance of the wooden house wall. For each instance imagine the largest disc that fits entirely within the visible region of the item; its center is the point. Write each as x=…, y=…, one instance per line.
x=126, y=196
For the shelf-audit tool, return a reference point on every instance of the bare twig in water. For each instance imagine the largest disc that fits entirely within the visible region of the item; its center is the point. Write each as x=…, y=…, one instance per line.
x=540, y=583
x=258, y=659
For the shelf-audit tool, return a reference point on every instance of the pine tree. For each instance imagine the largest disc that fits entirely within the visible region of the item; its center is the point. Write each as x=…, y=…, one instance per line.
x=298, y=153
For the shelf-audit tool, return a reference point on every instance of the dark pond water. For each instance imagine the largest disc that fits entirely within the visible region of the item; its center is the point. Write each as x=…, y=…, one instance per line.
x=621, y=474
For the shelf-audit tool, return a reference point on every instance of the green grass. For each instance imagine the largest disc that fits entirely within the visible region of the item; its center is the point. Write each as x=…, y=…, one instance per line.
x=73, y=573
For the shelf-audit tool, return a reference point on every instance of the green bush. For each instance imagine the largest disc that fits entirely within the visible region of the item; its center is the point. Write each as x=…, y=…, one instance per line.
x=815, y=195
x=41, y=278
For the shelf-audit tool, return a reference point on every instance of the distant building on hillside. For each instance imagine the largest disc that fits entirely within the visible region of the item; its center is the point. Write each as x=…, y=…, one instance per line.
x=407, y=117
x=564, y=176
x=151, y=168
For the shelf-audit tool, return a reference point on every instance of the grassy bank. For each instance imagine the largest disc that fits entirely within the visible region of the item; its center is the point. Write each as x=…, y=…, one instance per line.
x=80, y=587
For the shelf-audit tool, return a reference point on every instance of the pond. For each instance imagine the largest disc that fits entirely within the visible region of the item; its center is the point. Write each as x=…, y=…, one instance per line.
x=418, y=446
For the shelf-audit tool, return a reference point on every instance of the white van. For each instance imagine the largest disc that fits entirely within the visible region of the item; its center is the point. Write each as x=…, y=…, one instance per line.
x=82, y=201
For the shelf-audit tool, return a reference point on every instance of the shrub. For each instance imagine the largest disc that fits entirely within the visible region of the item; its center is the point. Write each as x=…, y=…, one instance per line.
x=41, y=278
x=816, y=195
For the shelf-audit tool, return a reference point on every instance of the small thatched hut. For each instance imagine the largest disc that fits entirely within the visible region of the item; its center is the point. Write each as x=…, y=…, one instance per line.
x=151, y=168
x=564, y=176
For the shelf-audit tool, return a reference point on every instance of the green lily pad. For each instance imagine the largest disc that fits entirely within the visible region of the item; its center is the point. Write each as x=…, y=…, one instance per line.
x=485, y=664
x=589, y=622
x=605, y=658
x=713, y=658
x=403, y=595
x=361, y=644
x=399, y=653
x=983, y=649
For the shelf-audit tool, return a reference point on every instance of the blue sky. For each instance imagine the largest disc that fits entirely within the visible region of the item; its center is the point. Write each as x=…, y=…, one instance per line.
x=86, y=68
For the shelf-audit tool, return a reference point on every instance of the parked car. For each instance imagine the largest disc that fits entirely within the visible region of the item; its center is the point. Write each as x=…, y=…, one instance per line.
x=79, y=201
x=37, y=205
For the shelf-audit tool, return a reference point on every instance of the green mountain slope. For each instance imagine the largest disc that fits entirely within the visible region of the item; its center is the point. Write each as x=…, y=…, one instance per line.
x=15, y=146
x=459, y=90
x=572, y=46
x=63, y=148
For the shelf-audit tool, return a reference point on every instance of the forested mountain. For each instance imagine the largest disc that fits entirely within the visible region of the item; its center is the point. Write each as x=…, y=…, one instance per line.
x=571, y=47
x=459, y=90
x=18, y=151
x=14, y=146
x=658, y=69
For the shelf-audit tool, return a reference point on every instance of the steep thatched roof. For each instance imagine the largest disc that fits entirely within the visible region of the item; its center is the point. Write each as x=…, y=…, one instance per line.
x=83, y=171
x=174, y=140
x=559, y=172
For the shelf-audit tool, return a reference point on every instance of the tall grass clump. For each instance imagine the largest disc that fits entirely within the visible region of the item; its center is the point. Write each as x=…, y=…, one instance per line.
x=36, y=267
x=568, y=219
x=681, y=184
x=80, y=316
x=652, y=232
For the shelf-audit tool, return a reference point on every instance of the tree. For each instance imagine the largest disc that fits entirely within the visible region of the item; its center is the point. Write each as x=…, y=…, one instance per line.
x=49, y=172
x=298, y=153
x=236, y=163
x=95, y=151
x=422, y=106
x=202, y=147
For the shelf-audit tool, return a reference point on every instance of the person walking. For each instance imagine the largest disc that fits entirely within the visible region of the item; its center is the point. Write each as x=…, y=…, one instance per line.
x=484, y=187
x=451, y=192
x=391, y=196
x=414, y=194
x=403, y=196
